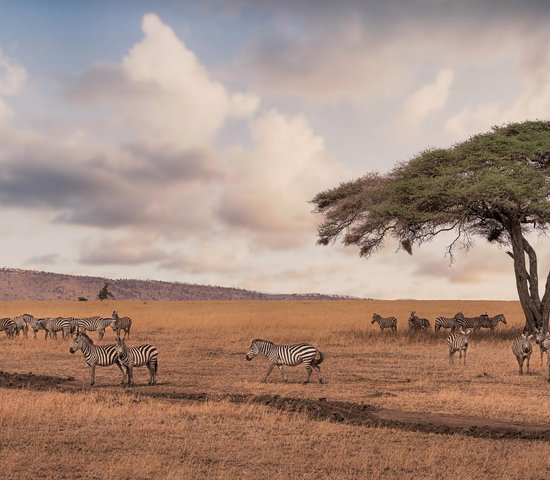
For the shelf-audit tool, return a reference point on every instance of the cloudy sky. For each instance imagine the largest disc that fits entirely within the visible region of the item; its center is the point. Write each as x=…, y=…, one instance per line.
x=183, y=140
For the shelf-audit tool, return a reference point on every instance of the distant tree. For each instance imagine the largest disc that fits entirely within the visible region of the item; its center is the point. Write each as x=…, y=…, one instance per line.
x=104, y=293
x=495, y=185
x=82, y=299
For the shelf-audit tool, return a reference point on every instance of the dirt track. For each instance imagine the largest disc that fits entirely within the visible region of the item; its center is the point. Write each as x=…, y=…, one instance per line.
x=321, y=409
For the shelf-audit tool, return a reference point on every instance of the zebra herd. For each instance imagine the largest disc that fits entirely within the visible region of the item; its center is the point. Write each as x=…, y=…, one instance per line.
x=125, y=357
x=461, y=327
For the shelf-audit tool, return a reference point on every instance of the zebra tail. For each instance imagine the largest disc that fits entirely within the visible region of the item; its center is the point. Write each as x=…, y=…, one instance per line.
x=318, y=361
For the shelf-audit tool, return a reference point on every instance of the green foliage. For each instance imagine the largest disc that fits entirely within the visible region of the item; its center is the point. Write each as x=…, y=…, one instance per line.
x=104, y=293
x=484, y=186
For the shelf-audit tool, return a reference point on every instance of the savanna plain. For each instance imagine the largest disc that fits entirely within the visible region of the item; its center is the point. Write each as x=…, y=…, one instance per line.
x=190, y=425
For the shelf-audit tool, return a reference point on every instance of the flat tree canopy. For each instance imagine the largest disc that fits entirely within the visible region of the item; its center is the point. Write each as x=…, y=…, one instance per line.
x=495, y=185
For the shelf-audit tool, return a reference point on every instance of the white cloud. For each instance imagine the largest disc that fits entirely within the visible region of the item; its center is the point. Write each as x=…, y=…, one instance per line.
x=12, y=78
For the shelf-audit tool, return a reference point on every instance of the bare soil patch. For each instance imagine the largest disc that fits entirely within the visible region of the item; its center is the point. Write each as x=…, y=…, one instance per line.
x=350, y=413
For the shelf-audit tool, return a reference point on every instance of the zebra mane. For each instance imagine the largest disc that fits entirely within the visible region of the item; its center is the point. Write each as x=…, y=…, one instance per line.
x=86, y=337
x=261, y=340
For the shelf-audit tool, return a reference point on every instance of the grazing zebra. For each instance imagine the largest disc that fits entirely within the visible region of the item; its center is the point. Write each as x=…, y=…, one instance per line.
x=96, y=355
x=95, y=324
x=540, y=338
x=388, y=322
x=121, y=323
x=289, y=355
x=21, y=326
x=139, y=356
x=458, y=342
x=54, y=325
x=33, y=322
x=416, y=323
x=470, y=322
x=521, y=346
x=445, y=322
x=491, y=322
x=8, y=325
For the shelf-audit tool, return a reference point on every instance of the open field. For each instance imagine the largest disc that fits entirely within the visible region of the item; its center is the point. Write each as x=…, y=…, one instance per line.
x=171, y=430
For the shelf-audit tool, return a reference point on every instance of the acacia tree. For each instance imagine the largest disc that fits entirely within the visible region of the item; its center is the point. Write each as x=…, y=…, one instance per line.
x=104, y=292
x=495, y=185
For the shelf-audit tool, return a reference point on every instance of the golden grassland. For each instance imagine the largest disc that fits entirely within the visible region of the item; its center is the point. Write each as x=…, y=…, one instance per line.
x=102, y=432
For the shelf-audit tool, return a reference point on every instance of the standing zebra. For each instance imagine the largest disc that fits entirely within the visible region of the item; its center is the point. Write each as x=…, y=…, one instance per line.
x=54, y=325
x=21, y=326
x=8, y=325
x=470, y=322
x=540, y=338
x=102, y=356
x=95, y=324
x=416, y=323
x=33, y=322
x=458, y=342
x=290, y=355
x=388, y=322
x=139, y=356
x=121, y=323
x=546, y=345
x=491, y=322
x=445, y=322
x=521, y=346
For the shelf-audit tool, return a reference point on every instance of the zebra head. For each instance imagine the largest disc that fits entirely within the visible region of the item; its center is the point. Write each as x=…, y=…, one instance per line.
x=540, y=336
x=525, y=342
x=77, y=342
x=253, y=351
x=375, y=317
x=120, y=346
x=501, y=318
x=115, y=315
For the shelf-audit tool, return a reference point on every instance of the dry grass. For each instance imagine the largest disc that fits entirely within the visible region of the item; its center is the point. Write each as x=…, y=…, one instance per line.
x=202, y=345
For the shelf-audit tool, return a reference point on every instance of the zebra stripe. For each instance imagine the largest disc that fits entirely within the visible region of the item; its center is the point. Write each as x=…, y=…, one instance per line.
x=21, y=326
x=492, y=322
x=445, y=322
x=95, y=324
x=8, y=325
x=121, y=323
x=540, y=339
x=471, y=322
x=289, y=355
x=139, y=356
x=96, y=355
x=521, y=346
x=416, y=323
x=33, y=322
x=458, y=342
x=54, y=325
x=387, y=322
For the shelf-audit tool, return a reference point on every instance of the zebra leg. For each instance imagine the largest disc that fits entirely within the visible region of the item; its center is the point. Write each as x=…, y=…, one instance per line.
x=520, y=363
x=92, y=374
x=318, y=372
x=151, y=366
x=123, y=370
x=308, y=368
x=271, y=365
x=280, y=367
x=528, y=358
x=451, y=355
x=465, y=350
x=130, y=375
x=100, y=334
x=541, y=354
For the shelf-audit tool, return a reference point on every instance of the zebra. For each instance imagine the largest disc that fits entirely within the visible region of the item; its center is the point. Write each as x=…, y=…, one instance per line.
x=121, y=323
x=289, y=355
x=492, y=322
x=54, y=325
x=521, y=346
x=95, y=324
x=470, y=322
x=21, y=326
x=388, y=322
x=33, y=322
x=8, y=325
x=96, y=355
x=546, y=345
x=416, y=323
x=139, y=356
x=445, y=322
x=540, y=338
x=458, y=342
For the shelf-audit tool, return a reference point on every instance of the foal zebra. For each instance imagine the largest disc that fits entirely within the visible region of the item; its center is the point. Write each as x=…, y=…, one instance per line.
x=102, y=356
x=289, y=355
x=139, y=356
x=121, y=323
x=96, y=323
x=416, y=323
x=8, y=325
x=388, y=322
x=458, y=342
x=522, y=349
x=491, y=322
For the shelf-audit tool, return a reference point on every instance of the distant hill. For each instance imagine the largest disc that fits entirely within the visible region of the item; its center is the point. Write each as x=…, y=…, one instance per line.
x=18, y=284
